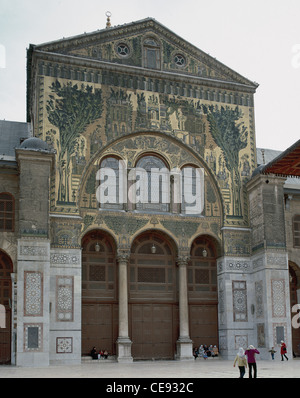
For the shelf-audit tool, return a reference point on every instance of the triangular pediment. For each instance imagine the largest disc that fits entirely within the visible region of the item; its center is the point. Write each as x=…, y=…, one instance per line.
x=125, y=45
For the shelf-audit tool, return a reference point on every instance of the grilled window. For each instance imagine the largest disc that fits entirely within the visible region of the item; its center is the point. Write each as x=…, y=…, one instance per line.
x=151, y=54
x=296, y=230
x=154, y=190
x=7, y=212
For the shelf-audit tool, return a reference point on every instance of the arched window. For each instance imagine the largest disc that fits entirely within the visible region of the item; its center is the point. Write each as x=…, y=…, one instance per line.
x=202, y=269
x=296, y=231
x=98, y=266
x=153, y=182
x=112, y=189
x=7, y=212
x=152, y=270
x=151, y=54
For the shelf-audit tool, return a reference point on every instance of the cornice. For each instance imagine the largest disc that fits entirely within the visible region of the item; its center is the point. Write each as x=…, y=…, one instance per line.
x=74, y=61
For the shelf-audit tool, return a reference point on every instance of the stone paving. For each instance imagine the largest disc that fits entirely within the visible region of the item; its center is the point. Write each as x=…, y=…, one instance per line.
x=197, y=369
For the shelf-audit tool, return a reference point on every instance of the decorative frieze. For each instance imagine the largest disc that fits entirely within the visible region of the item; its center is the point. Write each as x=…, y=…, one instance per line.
x=237, y=243
x=65, y=259
x=33, y=250
x=234, y=265
x=277, y=260
x=238, y=265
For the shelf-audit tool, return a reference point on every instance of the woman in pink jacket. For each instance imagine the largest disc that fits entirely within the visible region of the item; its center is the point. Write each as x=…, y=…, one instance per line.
x=250, y=352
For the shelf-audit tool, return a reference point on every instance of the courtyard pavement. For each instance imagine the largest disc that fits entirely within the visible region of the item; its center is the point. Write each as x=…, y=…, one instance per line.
x=195, y=369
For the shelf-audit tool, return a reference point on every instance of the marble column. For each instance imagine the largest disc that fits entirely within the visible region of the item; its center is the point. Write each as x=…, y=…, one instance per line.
x=123, y=342
x=184, y=343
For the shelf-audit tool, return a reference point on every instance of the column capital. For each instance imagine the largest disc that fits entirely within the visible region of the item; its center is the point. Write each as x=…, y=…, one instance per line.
x=182, y=260
x=123, y=256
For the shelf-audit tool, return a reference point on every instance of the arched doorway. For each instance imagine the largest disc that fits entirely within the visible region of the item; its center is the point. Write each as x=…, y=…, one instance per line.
x=6, y=268
x=294, y=289
x=99, y=293
x=153, y=302
x=202, y=292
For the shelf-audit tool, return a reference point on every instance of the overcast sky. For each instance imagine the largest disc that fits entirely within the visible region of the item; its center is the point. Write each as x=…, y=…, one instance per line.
x=260, y=39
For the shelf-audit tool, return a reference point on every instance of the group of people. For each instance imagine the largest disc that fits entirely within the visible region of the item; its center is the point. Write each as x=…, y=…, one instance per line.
x=203, y=351
x=99, y=354
x=247, y=358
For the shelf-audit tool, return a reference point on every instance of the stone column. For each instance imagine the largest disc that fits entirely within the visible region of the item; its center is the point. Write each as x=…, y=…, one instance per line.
x=184, y=343
x=123, y=342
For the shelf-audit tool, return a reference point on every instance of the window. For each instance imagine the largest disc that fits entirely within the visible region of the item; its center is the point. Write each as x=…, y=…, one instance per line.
x=296, y=230
x=112, y=184
x=151, y=54
x=7, y=212
x=202, y=270
x=152, y=270
x=98, y=266
x=153, y=184
x=150, y=186
x=179, y=60
x=123, y=50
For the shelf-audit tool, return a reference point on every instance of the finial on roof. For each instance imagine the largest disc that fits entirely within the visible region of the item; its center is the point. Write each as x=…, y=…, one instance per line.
x=108, y=14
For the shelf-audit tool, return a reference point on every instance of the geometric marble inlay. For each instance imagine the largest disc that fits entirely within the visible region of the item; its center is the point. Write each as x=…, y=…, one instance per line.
x=278, y=298
x=239, y=296
x=33, y=293
x=259, y=302
x=241, y=341
x=64, y=345
x=64, y=298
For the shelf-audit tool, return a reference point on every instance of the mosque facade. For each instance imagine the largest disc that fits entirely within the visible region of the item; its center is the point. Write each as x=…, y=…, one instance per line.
x=133, y=214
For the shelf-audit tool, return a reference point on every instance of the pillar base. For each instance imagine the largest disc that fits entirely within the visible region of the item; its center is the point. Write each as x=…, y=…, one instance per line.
x=184, y=349
x=124, y=350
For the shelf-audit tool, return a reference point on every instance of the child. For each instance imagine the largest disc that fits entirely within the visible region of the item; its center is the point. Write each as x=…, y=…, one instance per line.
x=272, y=351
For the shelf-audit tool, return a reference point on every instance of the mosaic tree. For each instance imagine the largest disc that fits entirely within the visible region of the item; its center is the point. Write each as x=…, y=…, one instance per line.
x=231, y=136
x=71, y=109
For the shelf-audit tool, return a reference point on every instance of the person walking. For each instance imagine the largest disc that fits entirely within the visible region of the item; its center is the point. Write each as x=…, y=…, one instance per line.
x=241, y=360
x=250, y=352
x=283, y=351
